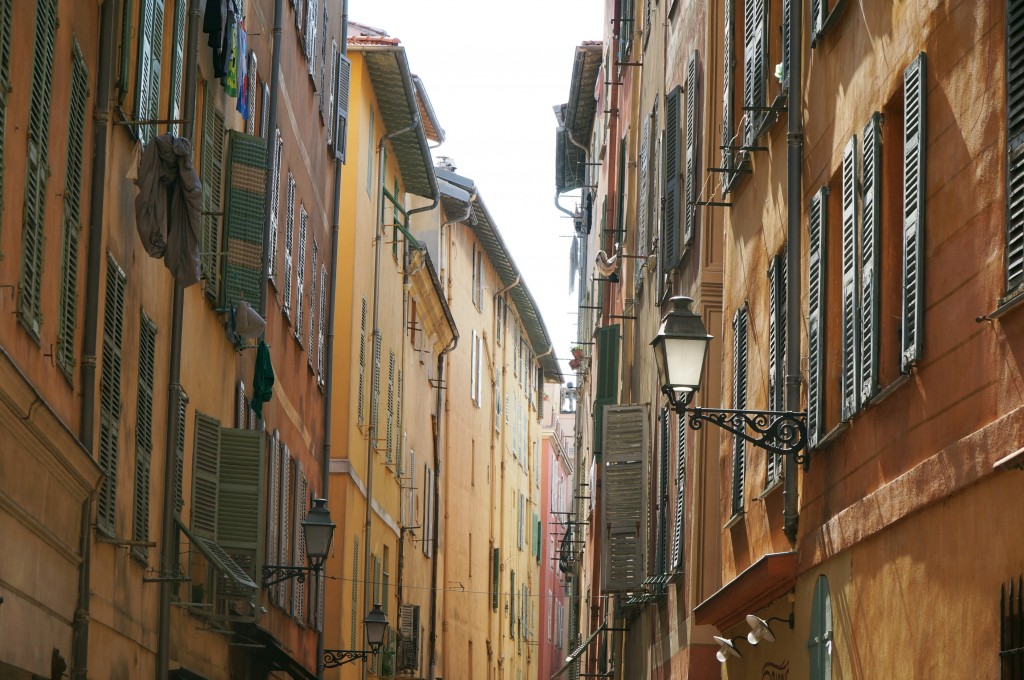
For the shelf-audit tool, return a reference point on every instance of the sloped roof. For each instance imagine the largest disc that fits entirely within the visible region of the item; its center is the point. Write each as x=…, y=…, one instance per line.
x=455, y=191
x=577, y=117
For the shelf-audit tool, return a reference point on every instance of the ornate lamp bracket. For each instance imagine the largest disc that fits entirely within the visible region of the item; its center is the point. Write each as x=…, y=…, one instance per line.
x=782, y=433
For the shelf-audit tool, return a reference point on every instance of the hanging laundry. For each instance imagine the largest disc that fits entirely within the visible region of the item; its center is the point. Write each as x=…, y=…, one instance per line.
x=213, y=24
x=232, y=60
x=242, y=103
x=262, y=380
x=168, y=206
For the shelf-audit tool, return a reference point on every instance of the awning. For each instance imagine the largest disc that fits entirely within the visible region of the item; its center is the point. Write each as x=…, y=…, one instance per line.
x=268, y=647
x=219, y=558
x=575, y=654
x=758, y=585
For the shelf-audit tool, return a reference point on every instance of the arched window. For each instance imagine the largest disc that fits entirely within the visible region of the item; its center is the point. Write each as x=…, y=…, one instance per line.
x=819, y=645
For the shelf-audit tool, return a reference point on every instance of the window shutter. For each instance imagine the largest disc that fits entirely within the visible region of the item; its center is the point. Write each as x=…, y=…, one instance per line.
x=389, y=429
x=273, y=501
x=250, y=96
x=284, y=548
x=871, y=258
x=521, y=508
x=321, y=369
x=739, y=397
x=512, y=604
x=332, y=88
x=755, y=53
x=729, y=65
x=143, y=434
x=375, y=385
x=300, y=271
x=289, y=243
x=125, y=55
x=179, y=453
x=312, y=17
x=692, y=175
x=643, y=196
x=240, y=406
x=607, y=378
x=672, y=152
x=661, y=549
x=495, y=581
x=409, y=626
x=1014, y=147
x=343, y=78
x=677, y=534
x=275, y=203
x=205, y=476
x=299, y=544
x=355, y=591
x=820, y=643
x=240, y=504
x=818, y=12
x=265, y=112
x=323, y=63
x=620, y=224
x=37, y=170
x=310, y=344
x=177, y=66
x=376, y=580
x=624, y=492
x=848, y=381
x=785, y=44
x=914, y=138
x=72, y=215
x=362, y=361
x=211, y=173
x=399, y=434
x=817, y=244
x=110, y=395
x=147, y=80
x=777, y=286
x=5, y=80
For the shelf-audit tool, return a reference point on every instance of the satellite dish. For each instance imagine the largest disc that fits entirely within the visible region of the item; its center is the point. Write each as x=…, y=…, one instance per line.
x=726, y=649
x=759, y=630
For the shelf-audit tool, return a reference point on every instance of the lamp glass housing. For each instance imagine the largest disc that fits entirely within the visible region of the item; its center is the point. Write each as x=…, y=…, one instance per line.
x=376, y=624
x=680, y=348
x=319, y=531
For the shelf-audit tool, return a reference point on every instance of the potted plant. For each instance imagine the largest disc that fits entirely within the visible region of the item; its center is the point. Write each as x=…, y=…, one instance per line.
x=577, y=352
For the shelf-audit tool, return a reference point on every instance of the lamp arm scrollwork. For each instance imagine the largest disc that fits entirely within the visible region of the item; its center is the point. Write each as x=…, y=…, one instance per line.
x=276, y=574
x=778, y=432
x=339, y=657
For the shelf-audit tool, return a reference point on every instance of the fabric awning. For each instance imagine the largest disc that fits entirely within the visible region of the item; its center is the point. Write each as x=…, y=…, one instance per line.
x=575, y=654
x=219, y=558
x=273, y=652
x=760, y=584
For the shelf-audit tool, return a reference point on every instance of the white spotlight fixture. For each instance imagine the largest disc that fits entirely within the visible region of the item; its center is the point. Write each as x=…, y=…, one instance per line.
x=760, y=630
x=727, y=648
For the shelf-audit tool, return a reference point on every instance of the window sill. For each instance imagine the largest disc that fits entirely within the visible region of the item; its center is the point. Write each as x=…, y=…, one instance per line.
x=1007, y=303
x=771, y=488
x=887, y=390
x=734, y=520
x=831, y=436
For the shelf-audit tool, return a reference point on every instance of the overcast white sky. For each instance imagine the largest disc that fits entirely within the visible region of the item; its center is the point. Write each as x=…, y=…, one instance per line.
x=493, y=70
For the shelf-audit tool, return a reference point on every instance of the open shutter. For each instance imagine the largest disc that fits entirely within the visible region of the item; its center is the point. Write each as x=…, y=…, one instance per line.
x=871, y=256
x=5, y=80
x=240, y=505
x=819, y=646
x=300, y=271
x=273, y=500
x=110, y=395
x=310, y=338
x=275, y=203
x=143, y=435
x=355, y=591
x=816, y=276
x=661, y=505
x=375, y=386
x=211, y=172
x=728, y=68
x=289, y=243
x=389, y=437
x=362, y=362
x=299, y=544
x=739, y=398
x=678, y=554
x=250, y=96
x=179, y=453
x=692, y=111
x=495, y=577
x=332, y=91
x=205, y=476
x=848, y=379
x=607, y=385
x=265, y=111
x=243, y=218
x=786, y=66
x=755, y=53
x=624, y=490
x=914, y=139
x=147, y=81
x=284, y=548
x=343, y=79
x=777, y=286
x=409, y=627
x=643, y=197
x=672, y=152
x=1014, y=146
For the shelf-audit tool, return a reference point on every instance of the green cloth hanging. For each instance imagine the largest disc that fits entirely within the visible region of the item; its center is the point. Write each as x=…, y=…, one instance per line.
x=262, y=380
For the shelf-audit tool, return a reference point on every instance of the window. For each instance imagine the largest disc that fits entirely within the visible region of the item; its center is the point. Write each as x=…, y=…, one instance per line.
x=300, y=271
x=625, y=30
x=476, y=361
x=607, y=383
x=110, y=396
x=691, y=162
x=147, y=79
x=386, y=579
x=819, y=645
x=739, y=399
x=1015, y=149
x=211, y=175
x=643, y=212
x=289, y=236
x=477, y=279
x=143, y=435
x=816, y=290
x=499, y=313
x=671, y=150
x=777, y=300
x=275, y=204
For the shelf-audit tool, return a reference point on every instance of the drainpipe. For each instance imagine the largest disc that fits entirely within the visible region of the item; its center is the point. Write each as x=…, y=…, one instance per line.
x=97, y=187
x=168, y=534
x=794, y=200
x=437, y=493
x=275, y=86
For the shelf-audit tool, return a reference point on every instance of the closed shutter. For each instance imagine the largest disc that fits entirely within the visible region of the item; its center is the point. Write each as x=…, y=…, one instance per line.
x=607, y=386
x=5, y=81
x=624, y=491
x=275, y=203
x=643, y=197
x=817, y=244
x=1014, y=146
x=143, y=435
x=243, y=218
x=147, y=78
x=250, y=96
x=362, y=362
x=343, y=79
x=299, y=544
x=284, y=548
x=310, y=344
x=672, y=152
x=289, y=244
x=321, y=368
x=755, y=54
x=177, y=66
x=179, y=453
x=389, y=438
x=34, y=229
x=739, y=398
x=375, y=386
x=848, y=380
x=777, y=300
x=211, y=173
x=376, y=580
x=871, y=257
x=355, y=592
x=273, y=502
x=240, y=505
x=693, y=103
x=409, y=628
x=205, y=476
x=914, y=138
x=495, y=581
x=300, y=271
x=729, y=64
x=72, y=215
x=678, y=554
x=400, y=435
x=110, y=395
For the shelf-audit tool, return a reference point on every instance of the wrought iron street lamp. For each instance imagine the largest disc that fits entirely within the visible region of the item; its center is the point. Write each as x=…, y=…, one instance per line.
x=318, y=530
x=376, y=625
x=680, y=349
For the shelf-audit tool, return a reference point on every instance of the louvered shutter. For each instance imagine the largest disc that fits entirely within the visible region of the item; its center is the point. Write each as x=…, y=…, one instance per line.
x=332, y=88
x=755, y=53
x=777, y=315
x=284, y=547
x=362, y=362
x=678, y=553
x=400, y=441
x=512, y=604
x=389, y=430
x=692, y=174
x=179, y=453
x=125, y=50
x=607, y=385
x=848, y=377
x=672, y=149
x=211, y=172
x=273, y=502
x=265, y=112
x=728, y=61
x=620, y=217
x=643, y=197
x=914, y=139
x=143, y=435
x=624, y=491
x=5, y=81
x=739, y=398
x=819, y=645
x=299, y=544
x=300, y=271
x=321, y=588
x=786, y=66
x=289, y=236
x=240, y=505
x=110, y=395
x=324, y=113
x=375, y=385
x=275, y=203
x=870, y=257
x=376, y=580
x=147, y=81
x=817, y=244
x=818, y=13
x=68, y=309
x=312, y=17
x=250, y=95
x=343, y=79
x=177, y=66
x=409, y=626
x=240, y=404
x=355, y=592
x=495, y=578
x=310, y=344
x=34, y=229
x=661, y=506
x=205, y=476
x=1014, y=146
x=321, y=368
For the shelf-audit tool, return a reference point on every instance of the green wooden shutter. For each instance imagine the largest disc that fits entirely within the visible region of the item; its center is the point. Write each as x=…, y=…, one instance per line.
x=786, y=66
x=5, y=81
x=211, y=172
x=624, y=497
x=243, y=218
x=240, y=504
x=389, y=431
x=672, y=150
x=817, y=245
x=353, y=627
x=68, y=309
x=729, y=65
x=375, y=385
x=495, y=578
x=177, y=64
x=33, y=232
x=871, y=256
x=299, y=546
x=915, y=121
x=678, y=553
x=691, y=169
x=607, y=385
x=147, y=79
x=250, y=95
x=273, y=502
x=289, y=236
x=777, y=284
x=328, y=112
x=400, y=441
x=284, y=548
x=376, y=580
x=620, y=224
x=362, y=362
x=1014, y=146
x=343, y=79
x=661, y=549
x=110, y=395
x=300, y=271
x=848, y=376
x=144, y=433
x=205, y=476
x=819, y=645
x=739, y=397
x=179, y=452
x=275, y=203
x=755, y=53
x=125, y=50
